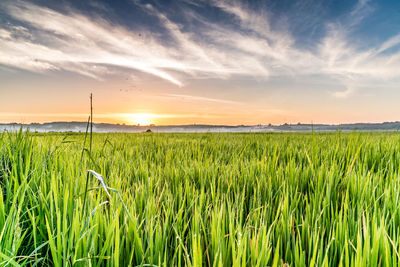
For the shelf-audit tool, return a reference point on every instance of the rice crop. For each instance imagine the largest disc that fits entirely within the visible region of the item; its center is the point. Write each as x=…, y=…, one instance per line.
x=152, y=199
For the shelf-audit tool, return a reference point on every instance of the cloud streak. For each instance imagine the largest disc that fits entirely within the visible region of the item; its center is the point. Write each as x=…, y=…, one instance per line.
x=200, y=99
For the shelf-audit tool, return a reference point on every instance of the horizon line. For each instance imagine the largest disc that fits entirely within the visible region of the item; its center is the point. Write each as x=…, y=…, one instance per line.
x=201, y=124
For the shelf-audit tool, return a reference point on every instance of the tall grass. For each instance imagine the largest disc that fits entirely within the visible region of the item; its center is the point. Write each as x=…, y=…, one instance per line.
x=200, y=200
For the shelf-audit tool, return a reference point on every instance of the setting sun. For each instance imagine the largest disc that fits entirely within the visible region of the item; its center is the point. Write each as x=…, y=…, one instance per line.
x=141, y=119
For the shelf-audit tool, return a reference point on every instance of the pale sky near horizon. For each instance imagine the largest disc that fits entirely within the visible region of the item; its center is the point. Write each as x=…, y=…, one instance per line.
x=204, y=62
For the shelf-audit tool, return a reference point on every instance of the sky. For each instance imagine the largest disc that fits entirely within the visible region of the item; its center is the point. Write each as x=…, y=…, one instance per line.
x=200, y=62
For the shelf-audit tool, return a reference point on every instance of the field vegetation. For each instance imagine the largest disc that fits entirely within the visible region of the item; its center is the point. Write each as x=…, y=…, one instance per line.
x=315, y=199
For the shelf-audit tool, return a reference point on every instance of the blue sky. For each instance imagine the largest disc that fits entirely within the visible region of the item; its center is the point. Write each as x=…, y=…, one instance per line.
x=217, y=62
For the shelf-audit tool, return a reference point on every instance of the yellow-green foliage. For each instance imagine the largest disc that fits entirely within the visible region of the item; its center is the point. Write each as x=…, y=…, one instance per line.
x=200, y=200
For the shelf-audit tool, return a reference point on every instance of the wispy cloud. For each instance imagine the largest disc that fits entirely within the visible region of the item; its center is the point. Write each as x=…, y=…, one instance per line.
x=200, y=98
x=345, y=93
x=47, y=40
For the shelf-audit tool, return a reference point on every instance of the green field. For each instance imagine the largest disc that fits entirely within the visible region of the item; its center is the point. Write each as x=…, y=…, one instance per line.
x=200, y=199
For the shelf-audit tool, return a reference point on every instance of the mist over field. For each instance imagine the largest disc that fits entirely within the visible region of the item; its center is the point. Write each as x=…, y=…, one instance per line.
x=109, y=128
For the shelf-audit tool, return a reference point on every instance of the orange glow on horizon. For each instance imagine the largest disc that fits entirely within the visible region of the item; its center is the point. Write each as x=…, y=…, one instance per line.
x=142, y=119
